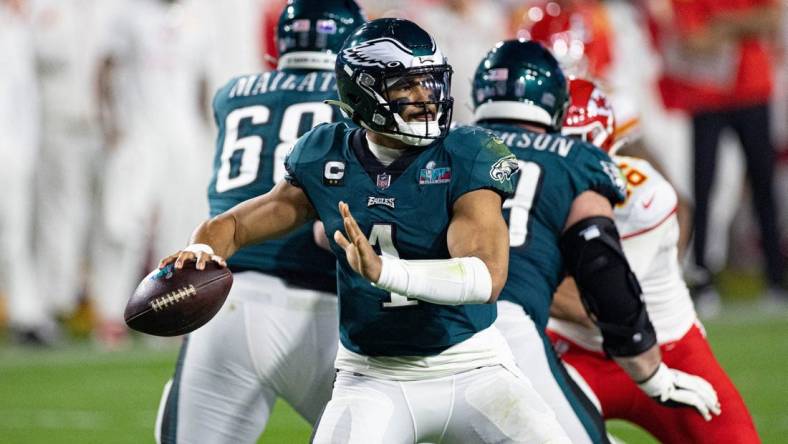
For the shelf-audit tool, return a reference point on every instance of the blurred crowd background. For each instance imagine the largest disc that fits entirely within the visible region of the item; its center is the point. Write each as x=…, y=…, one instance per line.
x=107, y=136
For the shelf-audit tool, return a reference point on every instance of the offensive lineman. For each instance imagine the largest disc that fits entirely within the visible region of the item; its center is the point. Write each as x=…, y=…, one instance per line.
x=418, y=358
x=649, y=232
x=276, y=336
x=560, y=217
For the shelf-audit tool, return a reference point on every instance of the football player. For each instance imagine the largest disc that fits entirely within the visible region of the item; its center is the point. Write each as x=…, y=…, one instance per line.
x=419, y=262
x=276, y=335
x=28, y=315
x=649, y=232
x=67, y=40
x=560, y=217
x=152, y=109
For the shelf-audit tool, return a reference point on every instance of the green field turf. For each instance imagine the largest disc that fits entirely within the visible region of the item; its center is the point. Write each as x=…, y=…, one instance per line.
x=79, y=395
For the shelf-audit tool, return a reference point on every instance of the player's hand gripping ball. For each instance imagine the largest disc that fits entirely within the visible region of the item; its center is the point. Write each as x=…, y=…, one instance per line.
x=171, y=302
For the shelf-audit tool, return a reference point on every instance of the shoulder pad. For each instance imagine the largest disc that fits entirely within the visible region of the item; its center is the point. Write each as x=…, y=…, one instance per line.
x=596, y=170
x=651, y=199
x=242, y=82
x=317, y=142
x=586, y=150
x=468, y=140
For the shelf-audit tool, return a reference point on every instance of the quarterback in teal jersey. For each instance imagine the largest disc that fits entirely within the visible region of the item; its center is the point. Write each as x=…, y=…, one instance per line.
x=560, y=218
x=421, y=259
x=277, y=334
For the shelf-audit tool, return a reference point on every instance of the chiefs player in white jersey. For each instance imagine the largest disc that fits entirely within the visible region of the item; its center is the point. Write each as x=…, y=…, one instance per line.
x=649, y=231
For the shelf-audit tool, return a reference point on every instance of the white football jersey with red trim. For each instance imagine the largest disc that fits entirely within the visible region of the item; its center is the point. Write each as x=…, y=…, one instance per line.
x=650, y=198
x=649, y=231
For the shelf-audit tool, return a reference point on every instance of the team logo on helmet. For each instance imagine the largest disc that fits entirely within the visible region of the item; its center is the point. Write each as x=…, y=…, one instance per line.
x=504, y=168
x=385, y=53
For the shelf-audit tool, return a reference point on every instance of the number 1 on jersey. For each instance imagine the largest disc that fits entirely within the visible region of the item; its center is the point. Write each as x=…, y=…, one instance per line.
x=522, y=202
x=381, y=235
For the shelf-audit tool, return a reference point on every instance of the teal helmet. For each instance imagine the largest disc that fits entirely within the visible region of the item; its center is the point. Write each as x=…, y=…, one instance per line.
x=380, y=60
x=310, y=32
x=520, y=80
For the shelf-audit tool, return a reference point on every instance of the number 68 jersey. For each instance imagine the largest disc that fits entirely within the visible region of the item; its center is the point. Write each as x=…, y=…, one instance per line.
x=404, y=209
x=259, y=118
x=554, y=170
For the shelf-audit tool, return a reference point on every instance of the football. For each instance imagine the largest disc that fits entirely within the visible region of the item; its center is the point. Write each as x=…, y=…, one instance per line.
x=171, y=302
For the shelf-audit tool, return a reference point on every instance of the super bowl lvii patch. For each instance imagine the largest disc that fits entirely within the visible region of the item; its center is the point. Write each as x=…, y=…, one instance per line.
x=431, y=174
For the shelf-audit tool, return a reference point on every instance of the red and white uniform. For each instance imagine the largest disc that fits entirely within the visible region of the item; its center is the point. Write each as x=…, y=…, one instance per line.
x=649, y=231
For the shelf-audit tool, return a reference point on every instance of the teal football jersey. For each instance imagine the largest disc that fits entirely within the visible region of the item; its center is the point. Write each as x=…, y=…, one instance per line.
x=405, y=210
x=554, y=170
x=260, y=117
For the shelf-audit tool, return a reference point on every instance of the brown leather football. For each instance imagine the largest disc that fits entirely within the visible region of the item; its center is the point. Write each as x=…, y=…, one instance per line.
x=171, y=302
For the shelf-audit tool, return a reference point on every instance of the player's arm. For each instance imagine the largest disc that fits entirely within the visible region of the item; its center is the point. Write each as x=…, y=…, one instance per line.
x=762, y=20
x=724, y=27
x=478, y=230
x=264, y=217
x=568, y=306
x=592, y=251
x=476, y=273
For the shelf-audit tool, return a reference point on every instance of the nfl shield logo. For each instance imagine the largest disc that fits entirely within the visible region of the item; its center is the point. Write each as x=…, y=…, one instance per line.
x=383, y=181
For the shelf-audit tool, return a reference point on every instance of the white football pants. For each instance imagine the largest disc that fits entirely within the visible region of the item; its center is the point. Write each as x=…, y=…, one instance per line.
x=576, y=413
x=153, y=197
x=269, y=340
x=64, y=203
x=19, y=117
x=18, y=277
x=484, y=405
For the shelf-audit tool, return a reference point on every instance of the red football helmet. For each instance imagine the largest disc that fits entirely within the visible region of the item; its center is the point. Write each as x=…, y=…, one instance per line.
x=590, y=115
x=576, y=31
x=269, y=20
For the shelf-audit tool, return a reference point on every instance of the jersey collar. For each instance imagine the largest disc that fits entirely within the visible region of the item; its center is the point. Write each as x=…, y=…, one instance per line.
x=370, y=163
x=313, y=60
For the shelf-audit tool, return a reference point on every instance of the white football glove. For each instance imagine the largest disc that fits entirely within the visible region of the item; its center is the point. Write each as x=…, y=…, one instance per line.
x=674, y=388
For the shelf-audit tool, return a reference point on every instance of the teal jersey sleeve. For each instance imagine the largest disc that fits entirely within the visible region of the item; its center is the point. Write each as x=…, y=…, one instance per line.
x=312, y=147
x=480, y=161
x=592, y=169
x=218, y=103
